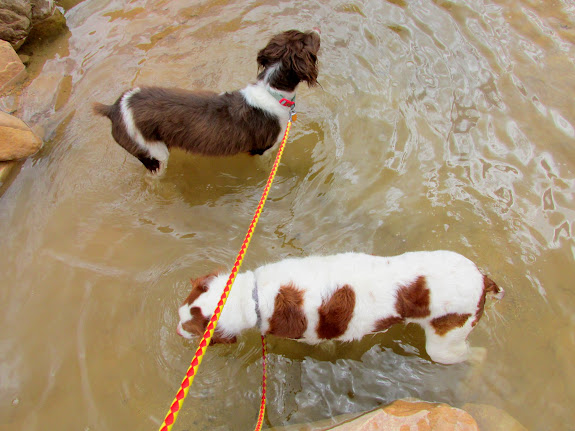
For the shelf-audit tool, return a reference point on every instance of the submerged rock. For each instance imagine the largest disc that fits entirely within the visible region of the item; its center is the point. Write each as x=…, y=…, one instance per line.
x=401, y=415
x=17, y=140
x=412, y=416
x=12, y=70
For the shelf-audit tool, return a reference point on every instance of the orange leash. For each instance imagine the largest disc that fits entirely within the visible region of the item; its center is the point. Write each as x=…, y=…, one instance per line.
x=172, y=415
x=263, y=403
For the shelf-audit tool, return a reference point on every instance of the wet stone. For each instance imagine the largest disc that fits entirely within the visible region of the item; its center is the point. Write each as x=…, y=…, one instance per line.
x=12, y=70
x=17, y=140
x=15, y=21
x=18, y=18
x=412, y=415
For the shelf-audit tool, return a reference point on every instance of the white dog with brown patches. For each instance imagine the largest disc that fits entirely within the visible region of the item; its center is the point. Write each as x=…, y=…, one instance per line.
x=347, y=296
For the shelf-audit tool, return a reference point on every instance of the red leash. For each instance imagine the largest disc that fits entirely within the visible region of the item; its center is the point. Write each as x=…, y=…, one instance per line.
x=263, y=403
x=172, y=415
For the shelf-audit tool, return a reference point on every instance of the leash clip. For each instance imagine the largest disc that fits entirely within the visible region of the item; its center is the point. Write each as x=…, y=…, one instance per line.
x=286, y=102
x=292, y=112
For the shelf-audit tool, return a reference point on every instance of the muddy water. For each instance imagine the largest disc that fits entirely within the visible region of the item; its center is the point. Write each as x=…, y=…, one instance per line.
x=439, y=124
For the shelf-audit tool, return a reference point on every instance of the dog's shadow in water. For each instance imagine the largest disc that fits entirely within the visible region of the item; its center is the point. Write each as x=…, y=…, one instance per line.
x=200, y=180
x=404, y=340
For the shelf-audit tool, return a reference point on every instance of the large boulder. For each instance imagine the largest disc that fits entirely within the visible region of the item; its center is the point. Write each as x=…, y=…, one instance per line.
x=412, y=416
x=19, y=17
x=12, y=70
x=42, y=9
x=15, y=21
x=17, y=140
x=401, y=415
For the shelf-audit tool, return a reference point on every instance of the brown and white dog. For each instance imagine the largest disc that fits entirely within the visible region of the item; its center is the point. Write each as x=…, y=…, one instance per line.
x=148, y=121
x=347, y=296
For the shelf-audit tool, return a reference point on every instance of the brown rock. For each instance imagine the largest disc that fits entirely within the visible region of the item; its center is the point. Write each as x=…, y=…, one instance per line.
x=25, y=59
x=41, y=9
x=491, y=418
x=49, y=27
x=12, y=71
x=16, y=139
x=19, y=17
x=5, y=169
x=15, y=21
x=403, y=415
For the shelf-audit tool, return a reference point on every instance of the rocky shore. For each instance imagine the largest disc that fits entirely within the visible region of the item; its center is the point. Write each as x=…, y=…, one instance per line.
x=19, y=21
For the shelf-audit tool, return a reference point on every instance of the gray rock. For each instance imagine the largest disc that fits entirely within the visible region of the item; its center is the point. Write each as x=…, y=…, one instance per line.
x=41, y=9
x=19, y=17
x=15, y=21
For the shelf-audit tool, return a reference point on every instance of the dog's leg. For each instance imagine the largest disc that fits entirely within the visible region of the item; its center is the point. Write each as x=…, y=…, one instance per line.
x=449, y=348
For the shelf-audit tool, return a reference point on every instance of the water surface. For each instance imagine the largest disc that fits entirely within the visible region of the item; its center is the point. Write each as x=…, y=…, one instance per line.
x=438, y=125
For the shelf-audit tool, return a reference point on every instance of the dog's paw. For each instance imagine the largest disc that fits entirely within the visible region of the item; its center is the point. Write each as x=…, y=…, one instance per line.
x=158, y=171
x=477, y=355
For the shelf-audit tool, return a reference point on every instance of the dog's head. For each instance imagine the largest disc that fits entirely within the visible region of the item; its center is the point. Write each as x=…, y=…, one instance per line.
x=197, y=309
x=289, y=58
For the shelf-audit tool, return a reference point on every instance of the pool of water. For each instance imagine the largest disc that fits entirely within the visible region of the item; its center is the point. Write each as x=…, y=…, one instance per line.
x=438, y=125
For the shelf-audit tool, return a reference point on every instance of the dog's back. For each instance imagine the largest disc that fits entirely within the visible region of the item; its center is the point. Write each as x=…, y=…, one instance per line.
x=346, y=296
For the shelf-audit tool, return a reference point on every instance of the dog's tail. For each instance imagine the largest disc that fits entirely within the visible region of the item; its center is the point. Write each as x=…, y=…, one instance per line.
x=101, y=109
x=489, y=286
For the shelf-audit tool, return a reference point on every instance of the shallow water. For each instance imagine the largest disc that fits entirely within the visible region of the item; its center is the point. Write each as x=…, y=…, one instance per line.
x=438, y=125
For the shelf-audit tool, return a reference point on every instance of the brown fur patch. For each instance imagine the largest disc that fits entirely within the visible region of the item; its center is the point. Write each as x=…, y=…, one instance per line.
x=335, y=313
x=444, y=324
x=413, y=300
x=198, y=324
x=489, y=286
x=199, y=286
x=386, y=323
x=288, y=319
x=219, y=338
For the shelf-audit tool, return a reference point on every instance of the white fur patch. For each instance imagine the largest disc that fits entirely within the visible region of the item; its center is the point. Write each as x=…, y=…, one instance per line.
x=257, y=95
x=455, y=287
x=157, y=150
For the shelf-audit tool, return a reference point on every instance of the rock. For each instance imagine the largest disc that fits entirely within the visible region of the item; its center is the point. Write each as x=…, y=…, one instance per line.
x=5, y=169
x=15, y=21
x=19, y=17
x=49, y=27
x=42, y=9
x=12, y=71
x=16, y=139
x=401, y=415
x=412, y=416
x=491, y=418
x=25, y=59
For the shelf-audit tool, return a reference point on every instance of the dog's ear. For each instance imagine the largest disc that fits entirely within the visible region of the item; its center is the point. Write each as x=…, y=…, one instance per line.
x=304, y=64
x=301, y=56
x=199, y=285
x=271, y=54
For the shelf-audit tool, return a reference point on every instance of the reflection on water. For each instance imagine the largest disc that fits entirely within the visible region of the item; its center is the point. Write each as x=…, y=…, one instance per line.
x=439, y=124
